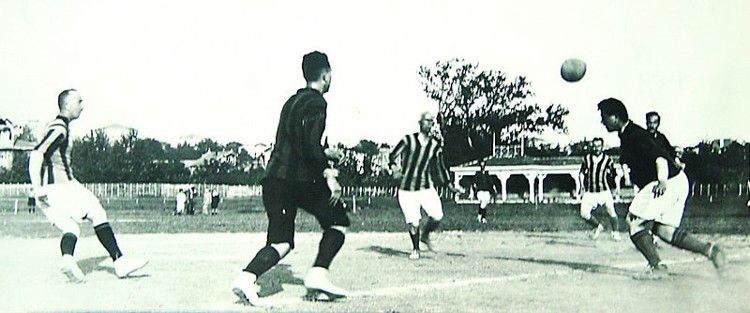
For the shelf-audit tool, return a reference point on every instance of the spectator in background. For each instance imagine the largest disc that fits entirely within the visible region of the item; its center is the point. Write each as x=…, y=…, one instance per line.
x=215, y=200
x=31, y=202
x=206, y=201
x=191, y=195
x=180, y=201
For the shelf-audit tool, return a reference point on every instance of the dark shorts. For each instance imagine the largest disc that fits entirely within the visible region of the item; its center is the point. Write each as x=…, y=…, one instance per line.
x=281, y=199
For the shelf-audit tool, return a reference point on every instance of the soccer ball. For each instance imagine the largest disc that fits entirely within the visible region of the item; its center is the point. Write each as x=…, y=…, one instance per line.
x=572, y=70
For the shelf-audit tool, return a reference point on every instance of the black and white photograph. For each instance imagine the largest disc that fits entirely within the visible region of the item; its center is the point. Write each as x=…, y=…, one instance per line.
x=374, y=156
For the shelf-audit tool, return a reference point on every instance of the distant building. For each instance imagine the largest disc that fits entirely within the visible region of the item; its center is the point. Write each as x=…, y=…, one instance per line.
x=115, y=131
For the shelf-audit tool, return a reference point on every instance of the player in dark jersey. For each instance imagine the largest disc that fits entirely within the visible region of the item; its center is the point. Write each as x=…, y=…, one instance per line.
x=484, y=186
x=663, y=188
x=298, y=176
x=64, y=201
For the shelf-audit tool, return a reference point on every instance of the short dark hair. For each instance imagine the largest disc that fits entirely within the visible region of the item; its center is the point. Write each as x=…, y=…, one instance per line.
x=652, y=113
x=600, y=139
x=63, y=96
x=314, y=64
x=612, y=106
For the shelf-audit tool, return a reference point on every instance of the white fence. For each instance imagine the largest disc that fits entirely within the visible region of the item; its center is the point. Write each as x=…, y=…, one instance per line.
x=227, y=191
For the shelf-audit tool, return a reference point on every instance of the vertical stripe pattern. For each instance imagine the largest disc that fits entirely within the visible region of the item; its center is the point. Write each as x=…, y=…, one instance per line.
x=422, y=163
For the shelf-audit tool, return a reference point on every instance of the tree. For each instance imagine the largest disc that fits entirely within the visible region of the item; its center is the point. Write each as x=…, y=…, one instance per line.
x=474, y=105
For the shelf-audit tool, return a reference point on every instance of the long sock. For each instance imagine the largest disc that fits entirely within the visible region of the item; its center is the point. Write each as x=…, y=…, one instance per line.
x=682, y=239
x=68, y=243
x=264, y=260
x=644, y=242
x=414, y=234
x=329, y=246
x=592, y=221
x=615, y=223
x=483, y=212
x=429, y=227
x=107, y=238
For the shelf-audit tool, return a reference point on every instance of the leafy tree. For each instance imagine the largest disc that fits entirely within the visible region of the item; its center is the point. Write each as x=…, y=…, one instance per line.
x=474, y=105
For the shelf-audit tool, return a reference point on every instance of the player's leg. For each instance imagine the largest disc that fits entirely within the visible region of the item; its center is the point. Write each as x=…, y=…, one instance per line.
x=588, y=204
x=609, y=205
x=668, y=224
x=410, y=206
x=279, y=201
x=642, y=237
x=58, y=213
x=94, y=212
x=433, y=207
x=334, y=221
x=484, y=200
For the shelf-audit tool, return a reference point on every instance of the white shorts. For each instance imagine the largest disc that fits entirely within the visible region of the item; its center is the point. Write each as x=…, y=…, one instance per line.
x=484, y=198
x=591, y=200
x=666, y=209
x=72, y=201
x=412, y=201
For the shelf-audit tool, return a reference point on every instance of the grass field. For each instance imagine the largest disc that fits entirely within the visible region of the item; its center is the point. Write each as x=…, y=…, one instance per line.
x=527, y=259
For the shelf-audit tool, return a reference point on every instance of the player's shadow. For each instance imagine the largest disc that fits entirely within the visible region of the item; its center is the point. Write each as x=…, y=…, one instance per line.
x=568, y=243
x=579, y=266
x=89, y=265
x=272, y=281
x=386, y=251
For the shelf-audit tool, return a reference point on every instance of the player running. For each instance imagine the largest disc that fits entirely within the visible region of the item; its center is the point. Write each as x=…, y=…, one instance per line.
x=597, y=169
x=298, y=176
x=422, y=167
x=64, y=201
x=663, y=188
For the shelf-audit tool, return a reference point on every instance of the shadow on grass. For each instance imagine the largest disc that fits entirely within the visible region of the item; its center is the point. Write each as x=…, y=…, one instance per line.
x=386, y=251
x=89, y=265
x=578, y=266
x=271, y=282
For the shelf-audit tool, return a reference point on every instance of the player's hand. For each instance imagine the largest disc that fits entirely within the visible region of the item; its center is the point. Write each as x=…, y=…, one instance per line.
x=659, y=189
x=455, y=189
x=335, y=188
x=396, y=172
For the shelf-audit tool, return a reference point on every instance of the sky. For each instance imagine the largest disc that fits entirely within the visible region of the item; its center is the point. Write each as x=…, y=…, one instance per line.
x=223, y=69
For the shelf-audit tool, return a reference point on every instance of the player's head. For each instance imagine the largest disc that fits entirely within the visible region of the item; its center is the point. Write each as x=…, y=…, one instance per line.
x=597, y=146
x=614, y=114
x=70, y=103
x=317, y=70
x=653, y=120
x=679, y=152
x=482, y=164
x=426, y=120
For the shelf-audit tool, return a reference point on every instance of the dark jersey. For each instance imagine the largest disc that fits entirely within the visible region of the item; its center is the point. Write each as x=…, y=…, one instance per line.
x=639, y=151
x=483, y=181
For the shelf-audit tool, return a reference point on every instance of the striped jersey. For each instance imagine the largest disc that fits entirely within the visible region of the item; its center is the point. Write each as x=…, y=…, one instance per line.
x=55, y=146
x=422, y=164
x=596, y=171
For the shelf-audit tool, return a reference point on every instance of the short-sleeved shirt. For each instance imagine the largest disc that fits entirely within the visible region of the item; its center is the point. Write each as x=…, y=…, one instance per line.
x=422, y=163
x=55, y=146
x=298, y=153
x=639, y=151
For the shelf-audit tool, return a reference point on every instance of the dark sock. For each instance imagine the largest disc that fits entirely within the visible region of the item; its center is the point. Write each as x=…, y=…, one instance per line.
x=483, y=212
x=329, y=246
x=68, y=243
x=684, y=240
x=644, y=242
x=414, y=234
x=429, y=227
x=615, y=223
x=593, y=221
x=264, y=260
x=107, y=238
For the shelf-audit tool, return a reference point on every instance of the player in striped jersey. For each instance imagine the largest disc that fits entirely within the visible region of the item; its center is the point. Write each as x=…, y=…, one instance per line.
x=420, y=170
x=596, y=171
x=66, y=202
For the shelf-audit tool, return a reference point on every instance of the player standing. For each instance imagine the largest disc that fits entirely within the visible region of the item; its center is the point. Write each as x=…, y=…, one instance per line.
x=653, y=121
x=663, y=188
x=298, y=176
x=64, y=201
x=422, y=167
x=485, y=189
x=597, y=169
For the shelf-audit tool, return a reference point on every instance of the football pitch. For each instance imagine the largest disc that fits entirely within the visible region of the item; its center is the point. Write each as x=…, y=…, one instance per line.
x=476, y=270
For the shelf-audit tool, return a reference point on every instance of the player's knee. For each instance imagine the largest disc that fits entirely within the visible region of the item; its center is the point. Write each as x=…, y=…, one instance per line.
x=68, y=226
x=413, y=227
x=97, y=216
x=585, y=215
x=283, y=248
x=637, y=224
